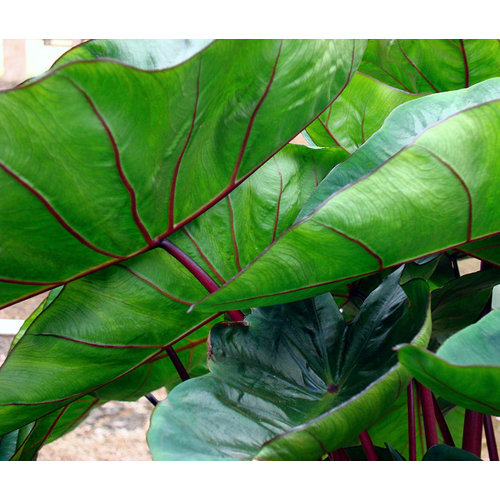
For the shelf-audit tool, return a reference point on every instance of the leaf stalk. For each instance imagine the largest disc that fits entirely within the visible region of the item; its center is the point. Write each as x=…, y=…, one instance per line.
x=473, y=430
x=198, y=272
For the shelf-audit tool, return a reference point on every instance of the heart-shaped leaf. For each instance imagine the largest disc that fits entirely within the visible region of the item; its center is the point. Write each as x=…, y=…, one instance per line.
x=137, y=301
x=295, y=382
x=435, y=193
x=466, y=369
x=431, y=65
x=102, y=155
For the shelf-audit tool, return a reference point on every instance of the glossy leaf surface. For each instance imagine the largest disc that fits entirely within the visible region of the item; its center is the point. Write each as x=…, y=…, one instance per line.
x=102, y=155
x=437, y=192
x=295, y=382
x=432, y=65
x=466, y=369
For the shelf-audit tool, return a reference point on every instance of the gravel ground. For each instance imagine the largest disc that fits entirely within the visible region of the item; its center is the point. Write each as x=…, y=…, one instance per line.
x=114, y=431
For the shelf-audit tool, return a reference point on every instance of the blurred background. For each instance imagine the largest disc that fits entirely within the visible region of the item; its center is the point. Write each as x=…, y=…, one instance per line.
x=23, y=58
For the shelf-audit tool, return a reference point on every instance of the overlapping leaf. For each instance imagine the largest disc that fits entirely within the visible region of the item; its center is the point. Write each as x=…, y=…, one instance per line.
x=460, y=302
x=98, y=158
x=437, y=191
x=294, y=382
x=465, y=369
x=147, y=298
x=232, y=233
x=98, y=331
x=358, y=112
x=431, y=65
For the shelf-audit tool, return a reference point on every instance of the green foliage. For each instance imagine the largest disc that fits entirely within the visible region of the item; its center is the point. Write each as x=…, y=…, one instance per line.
x=127, y=148
x=465, y=369
x=293, y=381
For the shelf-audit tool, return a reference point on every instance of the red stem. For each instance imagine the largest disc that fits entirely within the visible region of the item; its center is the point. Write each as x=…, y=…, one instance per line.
x=183, y=374
x=367, y=444
x=339, y=455
x=198, y=273
x=473, y=430
x=431, y=435
x=412, y=436
x=443, y=426
x=490, y=438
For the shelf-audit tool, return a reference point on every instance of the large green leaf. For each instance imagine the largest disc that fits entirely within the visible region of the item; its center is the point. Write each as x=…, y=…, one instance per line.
x=100, y=303
x=431, y=65
x=358, y=112
x=105, y=334
x=97, y=157
x=465, y=369
x=295, y=381
x=437, y=191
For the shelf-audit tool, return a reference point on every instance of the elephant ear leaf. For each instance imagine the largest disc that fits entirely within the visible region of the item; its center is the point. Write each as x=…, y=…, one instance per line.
x=102, y=154
x=435, y=192
x=294, y=382
x=465, y=370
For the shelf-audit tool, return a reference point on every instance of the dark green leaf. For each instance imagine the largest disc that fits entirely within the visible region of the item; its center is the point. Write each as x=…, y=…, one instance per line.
x=460, y=302
x=444, y=452
x=295, y=382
